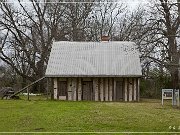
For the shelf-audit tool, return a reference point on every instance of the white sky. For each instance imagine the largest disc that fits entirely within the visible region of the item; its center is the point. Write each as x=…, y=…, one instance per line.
x=134, y=3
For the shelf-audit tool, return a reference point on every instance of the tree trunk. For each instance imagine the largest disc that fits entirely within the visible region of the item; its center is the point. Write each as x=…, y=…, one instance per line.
x=174, y=55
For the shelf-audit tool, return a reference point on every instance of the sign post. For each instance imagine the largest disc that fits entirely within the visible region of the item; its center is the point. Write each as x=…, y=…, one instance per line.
x=176, y=97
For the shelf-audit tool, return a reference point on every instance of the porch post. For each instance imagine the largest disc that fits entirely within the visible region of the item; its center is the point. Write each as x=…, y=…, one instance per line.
x=55, y=88
x=69, y=88
x=125, y=89
x=110, y=89
x=101, y=89
x=138, y=89
x=74, y=82
x=130, y=89
x=135, y=88
x=106, y=89
x=79, y=89
x=95, y=88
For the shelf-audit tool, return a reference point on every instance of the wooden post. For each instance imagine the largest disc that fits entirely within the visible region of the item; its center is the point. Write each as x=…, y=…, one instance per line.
x=130, y=89
x=74, y=82
x=28, y=93
x=114, y=89
x=101, y=89
x=69, y=88
x=125, y=89
x=52, y=88
x=79, y=89
x=135, y=89
x=23, y=89
x=95, y=88
x=178, y=98
x=106, y=89
x=162, y=97
x=110, y=89
x=55, y=88
x=138, y=89
x=47, y=91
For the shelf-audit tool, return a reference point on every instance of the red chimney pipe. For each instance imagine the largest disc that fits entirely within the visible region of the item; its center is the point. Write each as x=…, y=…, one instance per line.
x=105, y=38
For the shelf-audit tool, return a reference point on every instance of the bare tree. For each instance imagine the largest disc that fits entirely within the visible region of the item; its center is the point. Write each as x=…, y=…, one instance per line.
x=165, y=26
x=76, y=16
x=103, y=19
x=28, y=33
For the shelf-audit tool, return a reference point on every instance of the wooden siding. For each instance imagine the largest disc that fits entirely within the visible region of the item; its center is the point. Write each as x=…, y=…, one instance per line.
x=87, y=90
x=97, y=89
x=62, y=90
x=119, y=91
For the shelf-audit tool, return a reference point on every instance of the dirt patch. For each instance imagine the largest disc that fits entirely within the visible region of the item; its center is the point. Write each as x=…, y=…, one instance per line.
x=38, y=129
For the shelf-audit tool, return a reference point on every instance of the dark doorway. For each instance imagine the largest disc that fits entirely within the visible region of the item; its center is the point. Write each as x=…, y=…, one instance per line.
x=62, y=88
x=119, y=91
x=87, y=89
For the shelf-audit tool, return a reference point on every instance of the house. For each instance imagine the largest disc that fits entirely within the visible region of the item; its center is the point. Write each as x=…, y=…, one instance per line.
x=98, y=71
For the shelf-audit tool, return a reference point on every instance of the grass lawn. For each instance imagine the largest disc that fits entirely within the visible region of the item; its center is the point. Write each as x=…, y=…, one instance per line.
x=47, y=116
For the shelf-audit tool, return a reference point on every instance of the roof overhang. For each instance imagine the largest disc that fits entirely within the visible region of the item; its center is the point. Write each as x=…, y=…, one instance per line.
x=123, y=76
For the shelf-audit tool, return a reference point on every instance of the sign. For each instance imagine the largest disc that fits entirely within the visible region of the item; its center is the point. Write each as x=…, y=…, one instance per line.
x=169, y=94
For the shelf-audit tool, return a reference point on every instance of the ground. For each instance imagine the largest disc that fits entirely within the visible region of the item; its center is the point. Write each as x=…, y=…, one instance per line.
x=43, y=116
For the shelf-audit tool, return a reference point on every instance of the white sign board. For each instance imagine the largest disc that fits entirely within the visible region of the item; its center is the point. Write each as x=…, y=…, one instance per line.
x=168, y=94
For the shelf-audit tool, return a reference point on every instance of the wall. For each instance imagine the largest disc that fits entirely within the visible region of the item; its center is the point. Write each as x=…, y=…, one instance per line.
x=103, y=89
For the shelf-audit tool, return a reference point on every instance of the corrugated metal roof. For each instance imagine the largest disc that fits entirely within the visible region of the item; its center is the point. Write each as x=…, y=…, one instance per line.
x=93, y=59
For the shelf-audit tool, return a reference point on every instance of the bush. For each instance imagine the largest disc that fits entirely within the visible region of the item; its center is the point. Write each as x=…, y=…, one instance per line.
x=151, y=87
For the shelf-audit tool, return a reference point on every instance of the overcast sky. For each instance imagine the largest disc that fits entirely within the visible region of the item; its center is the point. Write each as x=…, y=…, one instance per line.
x=134, y=3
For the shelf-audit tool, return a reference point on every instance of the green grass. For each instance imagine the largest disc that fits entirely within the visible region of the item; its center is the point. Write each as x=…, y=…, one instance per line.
x=47, y=116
